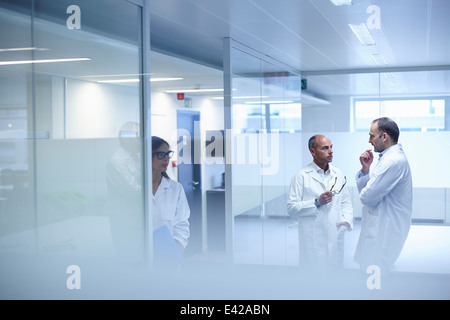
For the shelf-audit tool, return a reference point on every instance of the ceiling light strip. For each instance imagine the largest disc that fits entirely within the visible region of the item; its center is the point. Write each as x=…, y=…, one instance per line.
x=193, y=90
x=119, y=81
x=22, y=49
x=363, y=34
x=164, y=79
x=7, y=63
x=338, y=3
x=269, y=102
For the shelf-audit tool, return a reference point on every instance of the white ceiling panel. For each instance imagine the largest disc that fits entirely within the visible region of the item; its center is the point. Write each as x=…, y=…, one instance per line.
x=307, y=34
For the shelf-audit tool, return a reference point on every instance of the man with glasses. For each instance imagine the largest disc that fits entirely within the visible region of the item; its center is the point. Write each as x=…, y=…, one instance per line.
x=321, y=202
x=386, y=193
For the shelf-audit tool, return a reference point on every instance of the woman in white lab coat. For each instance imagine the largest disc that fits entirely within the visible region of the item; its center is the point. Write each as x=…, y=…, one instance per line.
x=170, y=206
x=319, y=197
x=386, y=193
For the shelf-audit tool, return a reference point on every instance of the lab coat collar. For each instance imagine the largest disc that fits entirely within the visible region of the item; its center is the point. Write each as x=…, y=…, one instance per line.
x=313, y=169
x=394, y=148
x=162, y=187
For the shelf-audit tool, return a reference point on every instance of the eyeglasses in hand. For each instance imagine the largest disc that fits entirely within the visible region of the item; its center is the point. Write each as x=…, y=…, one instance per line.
x=337, y=192
x=162, y=155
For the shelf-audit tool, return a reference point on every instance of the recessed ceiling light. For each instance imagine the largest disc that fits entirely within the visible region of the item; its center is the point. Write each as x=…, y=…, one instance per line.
x=7, y=63
x=341, y=2
x=164, y=79
x=269, y=102
x=119, y=81
x=379, y=59
x=22, y=49
x=193, y=90
x=362, y=33
x=137, y=80
x=243, y=97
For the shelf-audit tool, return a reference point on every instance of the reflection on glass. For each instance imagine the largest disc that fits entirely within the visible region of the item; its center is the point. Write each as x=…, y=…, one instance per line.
x=419, y=103
x=263, y=125
x=17, y=218
x=124, y=198
x=58, y=130
x=203, y=147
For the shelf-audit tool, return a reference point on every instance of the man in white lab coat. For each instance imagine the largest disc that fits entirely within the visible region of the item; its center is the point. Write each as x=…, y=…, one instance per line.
x=386, y=193
x=319, y=198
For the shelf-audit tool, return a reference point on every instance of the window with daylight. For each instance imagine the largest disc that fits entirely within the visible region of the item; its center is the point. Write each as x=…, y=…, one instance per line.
x=410, y=114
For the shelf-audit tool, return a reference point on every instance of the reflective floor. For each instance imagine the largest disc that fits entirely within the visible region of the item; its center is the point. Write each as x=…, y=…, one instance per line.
x=269, y=241
x=427, y=249
x=266, y=256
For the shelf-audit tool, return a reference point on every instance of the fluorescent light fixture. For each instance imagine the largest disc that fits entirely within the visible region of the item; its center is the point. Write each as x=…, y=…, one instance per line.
x=338, y=3
x=193, y=90
x=269, y=102
x=379, y=59
x=7, y=63
x=137, y=80
x=363, y=34
x=119, y=81
x=243, y=97
x=164, y=79
x=22, y=49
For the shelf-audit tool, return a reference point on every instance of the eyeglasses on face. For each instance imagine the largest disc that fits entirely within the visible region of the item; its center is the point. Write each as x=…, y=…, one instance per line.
x=162, y=155
x=337, y=192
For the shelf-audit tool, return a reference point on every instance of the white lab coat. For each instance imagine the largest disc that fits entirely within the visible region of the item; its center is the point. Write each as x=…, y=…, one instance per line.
x=321, y=242
x=386, y=193
x=170, y=208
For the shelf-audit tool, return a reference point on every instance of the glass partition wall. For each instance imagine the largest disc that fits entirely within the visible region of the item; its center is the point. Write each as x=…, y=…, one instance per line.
x=340, y=105
x=419, y=102
x=265, y=153
x=71, y=188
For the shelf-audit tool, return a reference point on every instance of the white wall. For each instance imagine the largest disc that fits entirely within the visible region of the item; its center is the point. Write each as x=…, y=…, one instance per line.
x=95, y=110
x=334, y=117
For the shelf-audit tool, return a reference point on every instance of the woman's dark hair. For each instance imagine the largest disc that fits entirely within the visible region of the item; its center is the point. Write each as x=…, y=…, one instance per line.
x=156, y=143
